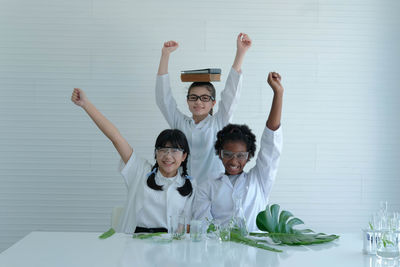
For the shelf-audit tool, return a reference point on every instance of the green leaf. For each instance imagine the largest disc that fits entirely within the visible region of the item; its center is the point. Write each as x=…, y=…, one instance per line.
x=107, y=234
x=280, y=228
x=264, y=220
x=235, y=236
x=283, y=217
x=211, y=228
x=389, y=242
x=275, y=215
x=370, y=226
x=146, y=235
x=298, y=239
x=292, y=222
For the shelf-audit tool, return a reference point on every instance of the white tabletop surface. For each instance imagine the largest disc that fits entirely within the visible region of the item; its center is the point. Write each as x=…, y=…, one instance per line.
x=51, y=249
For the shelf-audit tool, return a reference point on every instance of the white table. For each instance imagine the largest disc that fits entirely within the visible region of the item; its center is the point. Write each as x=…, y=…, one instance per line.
x=53, y=249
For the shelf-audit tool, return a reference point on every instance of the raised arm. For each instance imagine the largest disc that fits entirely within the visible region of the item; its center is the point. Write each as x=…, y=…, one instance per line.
x=243, y=43
x=230, y=94
x=164, y=99
x=269, y=154
x=167, y=49
x=274, y=118
x=124, y=149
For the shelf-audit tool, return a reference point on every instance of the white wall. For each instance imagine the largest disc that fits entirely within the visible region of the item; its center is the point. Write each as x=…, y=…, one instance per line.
x=339, y=62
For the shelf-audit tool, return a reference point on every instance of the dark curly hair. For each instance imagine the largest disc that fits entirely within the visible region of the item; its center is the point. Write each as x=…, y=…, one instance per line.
x=177, y=139
x=234, y=133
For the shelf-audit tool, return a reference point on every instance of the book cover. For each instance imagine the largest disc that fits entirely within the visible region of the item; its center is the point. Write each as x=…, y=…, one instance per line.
x=199, y=71
x=200, y=77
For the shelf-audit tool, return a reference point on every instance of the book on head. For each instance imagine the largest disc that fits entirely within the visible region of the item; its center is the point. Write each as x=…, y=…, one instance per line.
x=199, y=71
x=200, y=77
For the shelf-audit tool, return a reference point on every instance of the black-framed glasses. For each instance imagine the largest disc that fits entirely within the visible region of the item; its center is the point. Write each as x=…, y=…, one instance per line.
x=225, y=154
x=173, y=150
x=203, y=98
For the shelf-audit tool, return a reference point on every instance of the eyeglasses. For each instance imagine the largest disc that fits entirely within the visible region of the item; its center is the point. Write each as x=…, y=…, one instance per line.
x=230, y=155
x=203, y=98
x=162, y=151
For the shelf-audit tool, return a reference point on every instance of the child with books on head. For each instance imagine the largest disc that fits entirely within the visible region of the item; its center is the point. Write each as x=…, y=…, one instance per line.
x=155, y=193
x=201, y=128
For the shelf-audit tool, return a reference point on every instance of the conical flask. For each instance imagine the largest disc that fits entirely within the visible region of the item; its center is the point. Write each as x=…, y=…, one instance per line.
x=238, y=220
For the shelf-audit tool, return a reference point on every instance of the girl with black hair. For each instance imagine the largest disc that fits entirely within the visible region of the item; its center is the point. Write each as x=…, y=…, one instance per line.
x=202, y=127
x=220, y=198
x=155, y=193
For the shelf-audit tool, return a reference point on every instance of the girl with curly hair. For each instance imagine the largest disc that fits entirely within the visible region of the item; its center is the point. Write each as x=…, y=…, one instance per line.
x=219, y=198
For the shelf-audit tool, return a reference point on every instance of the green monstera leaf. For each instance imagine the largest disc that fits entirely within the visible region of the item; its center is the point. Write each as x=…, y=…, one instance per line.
x=280, y=228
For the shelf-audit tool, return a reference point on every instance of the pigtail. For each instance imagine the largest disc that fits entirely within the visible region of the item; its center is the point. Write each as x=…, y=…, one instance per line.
x=151, y=181
x=186, y=189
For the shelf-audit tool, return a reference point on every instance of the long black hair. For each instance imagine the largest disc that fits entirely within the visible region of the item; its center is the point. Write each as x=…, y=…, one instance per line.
x=233, y=133
x=177, y=139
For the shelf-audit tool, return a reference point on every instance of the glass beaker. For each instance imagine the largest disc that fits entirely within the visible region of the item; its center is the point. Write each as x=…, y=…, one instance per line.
x=177, y=227
x=388, y=245
x=196, y=230
x=238, y=220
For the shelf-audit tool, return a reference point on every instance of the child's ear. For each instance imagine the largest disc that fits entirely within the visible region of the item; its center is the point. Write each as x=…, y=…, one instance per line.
x=213, y=103
x=219, y=154
x=184, y=156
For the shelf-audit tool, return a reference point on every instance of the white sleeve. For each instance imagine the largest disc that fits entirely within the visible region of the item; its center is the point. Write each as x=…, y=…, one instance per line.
x=267, y=161
x=166, y=102
x=202, y=202
x=229, y=98
x=134, y=170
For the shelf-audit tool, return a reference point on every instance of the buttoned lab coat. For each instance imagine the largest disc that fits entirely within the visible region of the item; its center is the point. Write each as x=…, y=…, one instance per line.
x=201, y=137
x=214, y=198
x=154, y=207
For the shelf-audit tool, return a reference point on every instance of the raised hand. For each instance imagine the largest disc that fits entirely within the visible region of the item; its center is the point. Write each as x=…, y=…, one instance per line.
x=169, y=47
x=243, y=42
x=274, y=80
x=109, y=130
x=274, y=118
x=79, y=97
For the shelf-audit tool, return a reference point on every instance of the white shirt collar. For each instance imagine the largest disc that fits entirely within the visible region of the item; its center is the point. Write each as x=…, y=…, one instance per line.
x=225, y=178
x=161, y=180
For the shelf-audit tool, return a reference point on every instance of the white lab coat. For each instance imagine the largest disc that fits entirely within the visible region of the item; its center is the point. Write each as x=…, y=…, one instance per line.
x=214, y=198
x=146, y=207
x=201, y=137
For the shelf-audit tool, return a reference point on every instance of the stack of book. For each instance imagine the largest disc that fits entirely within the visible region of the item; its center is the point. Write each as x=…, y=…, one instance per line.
x=203, y=75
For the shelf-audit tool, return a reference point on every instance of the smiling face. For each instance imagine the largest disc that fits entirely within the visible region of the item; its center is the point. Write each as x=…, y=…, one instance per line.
x=169, y=160
x=198, y=108
x=234, y=165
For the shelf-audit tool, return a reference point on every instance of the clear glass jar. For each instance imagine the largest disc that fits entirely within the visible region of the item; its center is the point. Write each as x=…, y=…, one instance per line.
x=388, y=244
x=238, y=218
